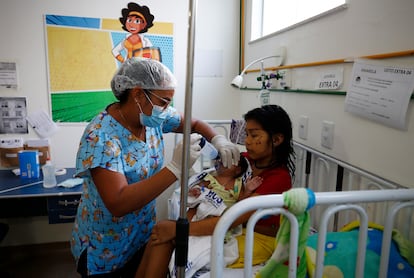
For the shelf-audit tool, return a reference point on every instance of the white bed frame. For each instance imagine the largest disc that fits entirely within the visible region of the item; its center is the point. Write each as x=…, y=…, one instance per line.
x=337, y=201
x=343, y=193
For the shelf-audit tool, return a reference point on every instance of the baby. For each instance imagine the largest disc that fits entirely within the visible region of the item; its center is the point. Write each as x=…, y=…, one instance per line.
x=212, y=193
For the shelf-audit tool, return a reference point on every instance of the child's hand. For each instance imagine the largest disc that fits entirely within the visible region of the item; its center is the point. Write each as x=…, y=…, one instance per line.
x=253, y=183
x=163, y=231
x=194, y=191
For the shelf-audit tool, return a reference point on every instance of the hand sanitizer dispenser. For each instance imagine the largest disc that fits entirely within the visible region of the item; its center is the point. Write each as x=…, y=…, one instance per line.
x=49, y=176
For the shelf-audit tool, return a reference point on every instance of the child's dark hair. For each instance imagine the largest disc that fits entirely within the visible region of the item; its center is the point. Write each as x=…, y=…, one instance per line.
x=144, y=10
x=274, y=120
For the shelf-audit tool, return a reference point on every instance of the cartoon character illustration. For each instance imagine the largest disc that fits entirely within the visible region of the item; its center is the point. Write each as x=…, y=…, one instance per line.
x=136, y=20
x=87, y=162
x=107, y=254
x=130, y=158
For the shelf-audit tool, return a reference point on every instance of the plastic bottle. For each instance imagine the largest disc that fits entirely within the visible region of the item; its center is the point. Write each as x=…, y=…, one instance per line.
x=49, y=177
x=208, y=150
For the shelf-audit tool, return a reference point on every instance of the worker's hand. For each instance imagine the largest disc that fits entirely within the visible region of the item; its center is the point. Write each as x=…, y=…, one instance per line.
x=175, y=165
x=229, y=152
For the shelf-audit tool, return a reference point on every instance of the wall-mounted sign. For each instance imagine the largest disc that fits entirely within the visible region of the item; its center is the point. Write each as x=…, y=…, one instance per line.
x=13, y=115
x=330, y=80
x=380, y=93
x=8, y=75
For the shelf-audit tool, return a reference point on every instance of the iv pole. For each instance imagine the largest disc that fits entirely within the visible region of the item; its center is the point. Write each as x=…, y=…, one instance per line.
x=182, y=225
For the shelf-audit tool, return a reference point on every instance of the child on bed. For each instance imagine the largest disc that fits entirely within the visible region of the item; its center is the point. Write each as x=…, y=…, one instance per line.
x=271, y=155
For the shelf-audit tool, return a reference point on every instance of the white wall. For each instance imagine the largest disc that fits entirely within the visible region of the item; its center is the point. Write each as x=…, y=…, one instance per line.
x=364, y=28
x=23, y=41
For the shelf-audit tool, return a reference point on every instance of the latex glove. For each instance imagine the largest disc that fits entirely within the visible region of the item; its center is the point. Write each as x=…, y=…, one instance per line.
x=229, y=152
x=195, y=150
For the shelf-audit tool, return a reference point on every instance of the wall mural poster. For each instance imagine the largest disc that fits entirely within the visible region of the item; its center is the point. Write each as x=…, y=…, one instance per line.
x=83, y=53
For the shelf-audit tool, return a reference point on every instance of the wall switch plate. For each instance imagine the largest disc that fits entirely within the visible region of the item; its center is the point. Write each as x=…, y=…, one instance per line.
x=303, y=127
x=327, y=134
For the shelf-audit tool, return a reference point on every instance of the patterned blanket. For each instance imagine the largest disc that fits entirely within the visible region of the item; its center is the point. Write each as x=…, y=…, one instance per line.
x=341, y=252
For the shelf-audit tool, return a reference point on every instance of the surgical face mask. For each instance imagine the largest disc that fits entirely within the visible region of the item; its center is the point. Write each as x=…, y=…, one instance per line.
x=157, y=117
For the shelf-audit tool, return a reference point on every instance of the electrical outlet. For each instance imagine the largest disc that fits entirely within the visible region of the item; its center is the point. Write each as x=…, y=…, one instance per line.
x=285, y=81
x=303, y=127
x=327, y=134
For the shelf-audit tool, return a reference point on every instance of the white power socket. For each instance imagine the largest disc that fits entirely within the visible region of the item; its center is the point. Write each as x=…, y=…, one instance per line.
x=327, y=134
x=303, y=127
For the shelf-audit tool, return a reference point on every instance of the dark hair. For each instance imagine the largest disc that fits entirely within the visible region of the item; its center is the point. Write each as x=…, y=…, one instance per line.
x=144, y=10
x=243, y=164
x=124, y=96
x=275, y=120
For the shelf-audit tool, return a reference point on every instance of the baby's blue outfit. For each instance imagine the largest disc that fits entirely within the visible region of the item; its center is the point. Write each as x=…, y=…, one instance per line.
x=111, y=241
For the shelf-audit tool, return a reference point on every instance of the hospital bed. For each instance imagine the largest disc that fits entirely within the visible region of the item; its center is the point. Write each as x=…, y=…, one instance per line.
x=344, y=194
x=336, y=202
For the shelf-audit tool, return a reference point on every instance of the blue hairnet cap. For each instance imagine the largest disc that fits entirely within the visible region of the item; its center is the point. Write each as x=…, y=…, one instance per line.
x=144, y=73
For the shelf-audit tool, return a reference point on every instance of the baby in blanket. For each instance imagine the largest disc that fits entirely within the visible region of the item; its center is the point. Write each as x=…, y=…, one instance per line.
x=211, y=193
x=208, y=195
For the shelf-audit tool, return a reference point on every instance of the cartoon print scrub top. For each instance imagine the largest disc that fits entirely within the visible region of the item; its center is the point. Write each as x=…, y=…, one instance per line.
x=111, y=241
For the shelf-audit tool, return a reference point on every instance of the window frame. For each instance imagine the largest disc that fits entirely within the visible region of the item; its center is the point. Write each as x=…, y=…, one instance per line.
x=257, y=16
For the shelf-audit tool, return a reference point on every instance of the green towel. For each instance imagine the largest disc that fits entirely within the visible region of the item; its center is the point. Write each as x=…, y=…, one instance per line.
x=297, y=201
x=405, y=246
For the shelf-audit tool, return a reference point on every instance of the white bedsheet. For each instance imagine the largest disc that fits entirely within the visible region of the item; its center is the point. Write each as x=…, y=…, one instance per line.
x=230, y=272
x=199, y=249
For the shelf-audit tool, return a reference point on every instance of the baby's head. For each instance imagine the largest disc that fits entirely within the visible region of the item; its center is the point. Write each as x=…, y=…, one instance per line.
x=235, y=170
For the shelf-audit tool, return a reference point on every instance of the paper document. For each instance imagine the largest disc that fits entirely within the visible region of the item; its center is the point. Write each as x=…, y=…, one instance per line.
x=42, y=124
x=380, y=93
x=8, y=75
x=13, y=115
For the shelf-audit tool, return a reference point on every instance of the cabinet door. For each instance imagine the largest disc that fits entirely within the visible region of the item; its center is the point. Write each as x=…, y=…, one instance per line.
x=62, y=209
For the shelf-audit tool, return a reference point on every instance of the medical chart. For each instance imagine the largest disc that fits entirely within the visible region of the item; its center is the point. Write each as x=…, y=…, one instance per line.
x=380, y=93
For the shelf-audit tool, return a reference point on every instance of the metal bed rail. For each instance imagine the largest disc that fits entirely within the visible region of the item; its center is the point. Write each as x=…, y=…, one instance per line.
x=345, y=200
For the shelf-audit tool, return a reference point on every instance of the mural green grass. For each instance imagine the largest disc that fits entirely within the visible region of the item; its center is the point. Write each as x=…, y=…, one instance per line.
x=79, y=107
